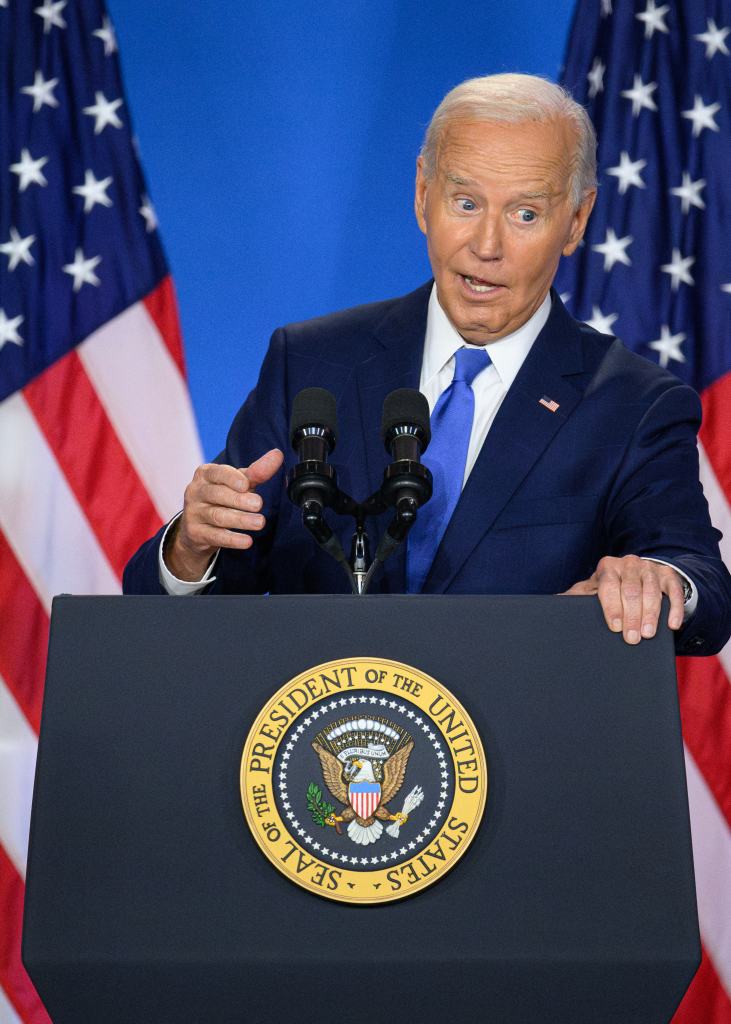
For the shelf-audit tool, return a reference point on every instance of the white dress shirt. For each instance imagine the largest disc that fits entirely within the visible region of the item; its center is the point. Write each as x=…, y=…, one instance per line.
x=437, y=369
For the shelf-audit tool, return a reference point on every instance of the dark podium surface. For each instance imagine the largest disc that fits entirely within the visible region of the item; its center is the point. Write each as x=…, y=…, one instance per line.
x=148, y=901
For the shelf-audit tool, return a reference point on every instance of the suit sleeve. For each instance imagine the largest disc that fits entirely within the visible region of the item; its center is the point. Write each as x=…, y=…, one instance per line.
x=260, y=424
x=656, y=508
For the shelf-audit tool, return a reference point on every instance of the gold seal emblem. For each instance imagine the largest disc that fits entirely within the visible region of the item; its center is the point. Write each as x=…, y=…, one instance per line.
x=363, y=780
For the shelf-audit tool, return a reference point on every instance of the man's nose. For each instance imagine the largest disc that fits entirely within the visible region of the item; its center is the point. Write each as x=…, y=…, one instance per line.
x=486, y=241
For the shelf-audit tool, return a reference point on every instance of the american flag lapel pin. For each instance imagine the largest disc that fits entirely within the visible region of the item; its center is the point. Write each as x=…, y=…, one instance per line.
x=548, y=403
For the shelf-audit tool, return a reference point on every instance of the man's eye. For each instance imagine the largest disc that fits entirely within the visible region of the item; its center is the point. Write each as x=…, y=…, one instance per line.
x=467, y=205
x=526, y=216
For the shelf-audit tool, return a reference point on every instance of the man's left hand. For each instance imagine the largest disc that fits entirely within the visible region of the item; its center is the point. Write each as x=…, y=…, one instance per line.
x=630, y=591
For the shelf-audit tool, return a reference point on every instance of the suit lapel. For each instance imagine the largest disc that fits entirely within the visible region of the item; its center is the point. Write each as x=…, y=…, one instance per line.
x=395, y=363
x=518, y=436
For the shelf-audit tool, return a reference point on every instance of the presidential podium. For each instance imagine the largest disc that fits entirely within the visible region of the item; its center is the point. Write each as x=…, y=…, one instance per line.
x=149, y=902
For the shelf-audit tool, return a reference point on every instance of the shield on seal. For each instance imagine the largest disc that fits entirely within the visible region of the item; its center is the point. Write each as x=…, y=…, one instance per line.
x=364, y=797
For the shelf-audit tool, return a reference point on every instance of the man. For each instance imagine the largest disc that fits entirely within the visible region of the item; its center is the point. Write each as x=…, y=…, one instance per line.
x=577, y=467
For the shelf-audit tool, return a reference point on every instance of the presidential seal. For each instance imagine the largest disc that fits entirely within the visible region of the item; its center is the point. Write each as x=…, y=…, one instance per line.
x=363, y=780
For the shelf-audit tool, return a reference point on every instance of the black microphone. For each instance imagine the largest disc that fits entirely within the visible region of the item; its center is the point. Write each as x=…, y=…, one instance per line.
x=406, y=432
x=405, y=426
x=313, y=425
x=312, y=483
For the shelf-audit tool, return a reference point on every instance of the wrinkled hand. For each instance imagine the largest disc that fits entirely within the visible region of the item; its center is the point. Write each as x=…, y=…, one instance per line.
x=218, y=501
x=630, y=591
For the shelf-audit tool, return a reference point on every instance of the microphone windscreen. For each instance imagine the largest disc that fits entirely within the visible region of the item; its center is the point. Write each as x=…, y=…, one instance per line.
x=314, y=407
x=406, y=406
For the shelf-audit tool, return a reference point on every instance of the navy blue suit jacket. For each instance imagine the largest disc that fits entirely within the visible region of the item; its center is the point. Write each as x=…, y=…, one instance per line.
x=613, y=471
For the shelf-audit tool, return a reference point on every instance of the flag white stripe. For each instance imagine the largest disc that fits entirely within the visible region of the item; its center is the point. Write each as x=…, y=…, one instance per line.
x=147, y=402
x=7, y=1013
x=712, y=859
x=40, y=516
x=721, y=518
x=17, y=766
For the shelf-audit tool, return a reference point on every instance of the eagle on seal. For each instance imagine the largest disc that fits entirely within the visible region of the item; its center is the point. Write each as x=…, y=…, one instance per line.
x=344, y=781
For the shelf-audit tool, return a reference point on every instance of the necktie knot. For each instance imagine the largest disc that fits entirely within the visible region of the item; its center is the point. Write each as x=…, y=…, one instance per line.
x=468, y=362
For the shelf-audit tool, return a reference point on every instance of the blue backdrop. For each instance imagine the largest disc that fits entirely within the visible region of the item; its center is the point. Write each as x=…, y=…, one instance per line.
x=279, y=142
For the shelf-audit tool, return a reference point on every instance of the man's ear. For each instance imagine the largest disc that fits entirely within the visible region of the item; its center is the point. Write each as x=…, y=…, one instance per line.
x=579, y=222
x=420, y=195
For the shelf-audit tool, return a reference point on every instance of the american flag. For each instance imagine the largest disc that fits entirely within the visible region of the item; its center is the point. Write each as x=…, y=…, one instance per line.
x=97, y=436
x=655, y=270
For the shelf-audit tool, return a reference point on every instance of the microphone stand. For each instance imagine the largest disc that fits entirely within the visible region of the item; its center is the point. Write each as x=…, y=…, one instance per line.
x=406, y=486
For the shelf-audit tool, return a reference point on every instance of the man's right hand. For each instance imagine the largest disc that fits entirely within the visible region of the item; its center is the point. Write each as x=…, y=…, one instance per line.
x=218, y=501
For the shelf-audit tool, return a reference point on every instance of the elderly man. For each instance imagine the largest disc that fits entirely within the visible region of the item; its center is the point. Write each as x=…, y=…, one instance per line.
x=562, y=462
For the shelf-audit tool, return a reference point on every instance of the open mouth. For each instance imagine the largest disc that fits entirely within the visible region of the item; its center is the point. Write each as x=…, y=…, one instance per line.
x=478, y=285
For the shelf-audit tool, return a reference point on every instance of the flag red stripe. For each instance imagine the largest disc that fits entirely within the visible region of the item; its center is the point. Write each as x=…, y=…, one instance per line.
x=23, y=636
x=162, y=306
x=13, y=978
x=705, y=711
x=706, y=1000
x=716, y=429
x=92, y=458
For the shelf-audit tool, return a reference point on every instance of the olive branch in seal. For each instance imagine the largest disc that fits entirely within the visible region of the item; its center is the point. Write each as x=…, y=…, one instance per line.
x=318, y=808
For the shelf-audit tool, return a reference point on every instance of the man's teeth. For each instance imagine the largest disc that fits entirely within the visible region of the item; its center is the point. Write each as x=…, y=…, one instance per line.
x=478, y=286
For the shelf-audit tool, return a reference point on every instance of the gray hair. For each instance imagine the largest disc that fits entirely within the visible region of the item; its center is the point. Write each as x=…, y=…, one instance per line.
x=513, y=98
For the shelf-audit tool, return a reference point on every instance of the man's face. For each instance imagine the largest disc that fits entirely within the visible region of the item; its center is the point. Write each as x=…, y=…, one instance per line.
x=497, y=216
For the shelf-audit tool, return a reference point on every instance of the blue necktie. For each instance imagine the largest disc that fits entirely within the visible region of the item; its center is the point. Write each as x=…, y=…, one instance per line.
x=446, y=456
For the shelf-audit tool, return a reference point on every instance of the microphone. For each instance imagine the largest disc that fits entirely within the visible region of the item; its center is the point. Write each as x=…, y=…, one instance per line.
x=312, y=484
x=313, y=425
x=407, y=485
x=405, y=426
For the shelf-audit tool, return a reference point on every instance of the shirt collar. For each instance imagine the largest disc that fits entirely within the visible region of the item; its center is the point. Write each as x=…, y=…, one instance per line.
x=507, y=354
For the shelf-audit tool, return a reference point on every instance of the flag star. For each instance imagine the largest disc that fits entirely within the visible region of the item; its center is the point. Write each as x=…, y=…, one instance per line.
x=3, y=3
x=679, y=269
x=689, y=193
x=641, y=95
x=601, y=322
x=668, y=345
x=627, y=172
x=596, y=77
x=726, y=287
x=702, y=116
x=654, y=18
x=606, y=8
x=50, y=11
x=29, y=170
x=17, y=249
x=41, y=91
x=9, y=329
x=93, y=191
x=82, y=270
x=565, y=297
x=614, y=250
x=107, y=36
x=714, y=38
x=105, y=112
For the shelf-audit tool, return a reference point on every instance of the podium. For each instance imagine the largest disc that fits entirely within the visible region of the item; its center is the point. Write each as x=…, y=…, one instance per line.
x=148, y=899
